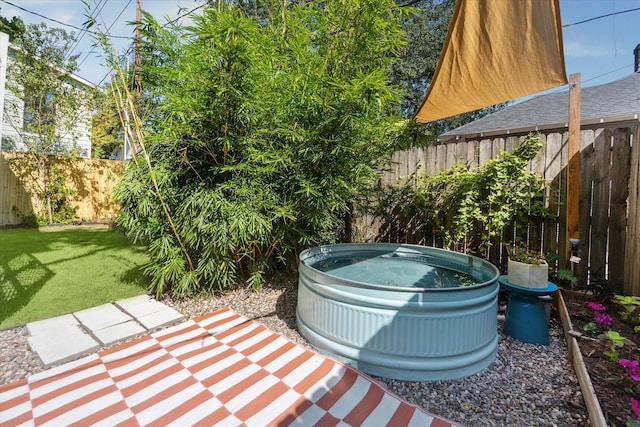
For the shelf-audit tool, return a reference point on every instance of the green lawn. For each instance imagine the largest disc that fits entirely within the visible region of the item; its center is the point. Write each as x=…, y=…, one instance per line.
x=56, y=270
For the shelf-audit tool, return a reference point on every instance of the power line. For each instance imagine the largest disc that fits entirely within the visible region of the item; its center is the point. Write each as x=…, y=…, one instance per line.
x=601, y=16
x=108, y=29
x=58, y=22
x=609, y=72
x=129, y=50
x=83, y=33
x=184, y=14
x=566, y=86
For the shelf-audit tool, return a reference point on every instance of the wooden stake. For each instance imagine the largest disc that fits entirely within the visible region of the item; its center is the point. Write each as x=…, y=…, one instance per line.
x=573, y=175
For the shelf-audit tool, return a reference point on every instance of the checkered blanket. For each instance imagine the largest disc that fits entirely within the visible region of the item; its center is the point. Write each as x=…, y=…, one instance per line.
x=219, y=369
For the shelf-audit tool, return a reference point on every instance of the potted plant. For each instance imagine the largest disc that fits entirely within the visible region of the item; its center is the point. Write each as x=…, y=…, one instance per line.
x=526, y=268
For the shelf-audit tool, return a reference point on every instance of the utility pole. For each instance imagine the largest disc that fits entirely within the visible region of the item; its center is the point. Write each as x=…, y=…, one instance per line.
x=137, y=87
x=137, y=83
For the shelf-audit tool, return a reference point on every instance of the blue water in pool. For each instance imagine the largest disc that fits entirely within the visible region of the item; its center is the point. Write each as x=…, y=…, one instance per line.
x=393, y=269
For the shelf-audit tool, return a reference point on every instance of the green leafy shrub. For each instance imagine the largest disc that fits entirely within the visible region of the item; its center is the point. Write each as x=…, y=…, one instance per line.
x=471, y=206
x=55, y=196
x=261, y=133
x=27, y=220
x=630, y=314
x=558, y=275
x=617, y=341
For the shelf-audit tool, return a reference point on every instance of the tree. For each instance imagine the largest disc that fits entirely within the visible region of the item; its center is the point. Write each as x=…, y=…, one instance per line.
x=265, y=131
x=426, y=28
x=106, y=129
x=14, y=27
x=47, y=108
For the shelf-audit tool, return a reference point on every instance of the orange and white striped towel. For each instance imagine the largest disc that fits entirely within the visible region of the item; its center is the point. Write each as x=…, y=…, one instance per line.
x=219, y=369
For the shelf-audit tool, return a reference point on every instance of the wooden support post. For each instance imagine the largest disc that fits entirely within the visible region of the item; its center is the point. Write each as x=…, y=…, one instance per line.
x=573, y=175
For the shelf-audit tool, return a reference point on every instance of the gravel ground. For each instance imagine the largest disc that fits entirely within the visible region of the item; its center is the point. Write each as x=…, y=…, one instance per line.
x=526, y=384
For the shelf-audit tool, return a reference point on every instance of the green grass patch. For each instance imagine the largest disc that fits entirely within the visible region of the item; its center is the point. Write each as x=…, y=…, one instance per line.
x=51, y=271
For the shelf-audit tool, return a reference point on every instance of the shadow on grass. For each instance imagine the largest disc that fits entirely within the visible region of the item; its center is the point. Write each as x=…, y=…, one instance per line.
x=21, y=277
x=134, y=277
x=31, y=258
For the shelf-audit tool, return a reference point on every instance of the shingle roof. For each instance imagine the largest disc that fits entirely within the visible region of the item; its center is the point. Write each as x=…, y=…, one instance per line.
x=614, y=101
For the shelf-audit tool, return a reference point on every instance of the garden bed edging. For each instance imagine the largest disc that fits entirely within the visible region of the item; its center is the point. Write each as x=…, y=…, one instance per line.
x=575, y=356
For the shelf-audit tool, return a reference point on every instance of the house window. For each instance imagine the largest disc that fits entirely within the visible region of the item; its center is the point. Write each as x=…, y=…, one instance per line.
x=38, y=109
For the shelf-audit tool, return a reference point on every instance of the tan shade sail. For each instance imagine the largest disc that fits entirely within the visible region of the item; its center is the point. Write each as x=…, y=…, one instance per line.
x=495, y=51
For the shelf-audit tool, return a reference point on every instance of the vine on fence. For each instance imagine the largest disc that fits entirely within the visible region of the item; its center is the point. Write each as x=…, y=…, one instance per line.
x=45, y=181
x=467, y=209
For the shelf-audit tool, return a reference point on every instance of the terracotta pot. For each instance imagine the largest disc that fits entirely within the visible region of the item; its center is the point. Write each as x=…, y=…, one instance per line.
x=528, y=275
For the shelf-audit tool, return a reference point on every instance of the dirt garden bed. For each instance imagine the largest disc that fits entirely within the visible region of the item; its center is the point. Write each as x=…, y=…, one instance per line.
x=606, y=376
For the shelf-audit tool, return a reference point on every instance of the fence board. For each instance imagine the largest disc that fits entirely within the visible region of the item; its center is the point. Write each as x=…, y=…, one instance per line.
x=472, y=154
x=408, y=163
x=461, y=153
x=600, y=204
x=441, y=157
x=497, y=146
x=632, y=252
x=620, y=170
x=422, y=158
x=430, y=161
x=402, y=160
x=537, y=165
x=584, y=209
x=451, y=155
x=511, y=143
x=13, y=195
x=563, y=241
x=394, y=168
x=485, y=153
x=416, y=163
x=553, y=149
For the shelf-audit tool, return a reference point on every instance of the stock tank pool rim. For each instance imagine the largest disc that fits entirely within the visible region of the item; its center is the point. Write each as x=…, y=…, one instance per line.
x=402, y=332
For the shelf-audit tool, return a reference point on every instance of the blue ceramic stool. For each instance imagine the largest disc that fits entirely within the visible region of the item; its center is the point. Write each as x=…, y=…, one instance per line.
x=525, y=319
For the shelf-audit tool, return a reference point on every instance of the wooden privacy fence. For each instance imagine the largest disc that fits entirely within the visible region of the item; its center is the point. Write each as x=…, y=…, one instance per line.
x=91, y=180
x=609, y=206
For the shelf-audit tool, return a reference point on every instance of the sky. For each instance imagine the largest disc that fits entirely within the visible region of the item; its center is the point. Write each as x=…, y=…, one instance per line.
x=601, y=50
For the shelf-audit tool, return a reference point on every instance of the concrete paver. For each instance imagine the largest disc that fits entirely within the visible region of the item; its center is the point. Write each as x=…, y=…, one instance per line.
x=63, y=338
x=59, y=340
x=47, y=326
x=141, y=305
x=102, y=316
x=118, y=332
x=160, y=319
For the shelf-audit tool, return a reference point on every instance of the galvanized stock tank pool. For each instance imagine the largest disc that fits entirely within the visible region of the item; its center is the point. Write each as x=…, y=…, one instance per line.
x=400, y=311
